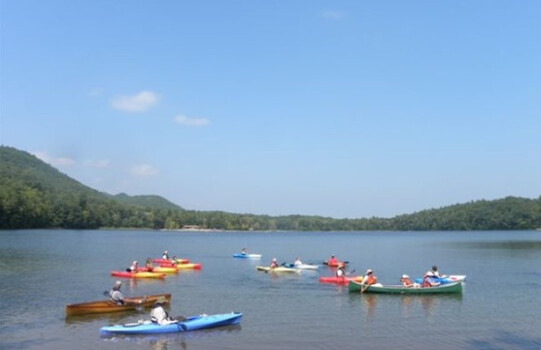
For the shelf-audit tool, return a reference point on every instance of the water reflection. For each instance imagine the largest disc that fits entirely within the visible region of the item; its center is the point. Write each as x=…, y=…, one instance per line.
x=410, y=304
x=173, y=340
x=506, y=245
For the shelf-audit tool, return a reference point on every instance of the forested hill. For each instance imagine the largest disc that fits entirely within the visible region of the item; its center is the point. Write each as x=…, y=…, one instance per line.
x=150, y=201
x=35, y=195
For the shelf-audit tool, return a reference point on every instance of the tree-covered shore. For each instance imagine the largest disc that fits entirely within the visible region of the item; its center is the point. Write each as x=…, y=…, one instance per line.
x=33, y=194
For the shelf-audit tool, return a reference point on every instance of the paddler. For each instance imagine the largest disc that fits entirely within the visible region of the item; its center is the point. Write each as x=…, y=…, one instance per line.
x=159, y=315
x=274, y=264
x=115, y=294
x=341, y=270
x=332, y=261
x=369, y=278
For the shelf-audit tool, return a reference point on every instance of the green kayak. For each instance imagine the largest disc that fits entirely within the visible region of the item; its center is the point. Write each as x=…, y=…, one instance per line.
x=355, y=287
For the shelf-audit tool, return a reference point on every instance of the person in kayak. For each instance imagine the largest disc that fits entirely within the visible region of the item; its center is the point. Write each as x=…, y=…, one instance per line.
x=159, y=315
x=133, y=267
x=244, y=251
x=435, y=272
x=341, y=270
x=297, y=262
x=115, y=294
x=148, y=265
x=165, y=255
x=369, y=278
x=332, y=261
x=274, y=264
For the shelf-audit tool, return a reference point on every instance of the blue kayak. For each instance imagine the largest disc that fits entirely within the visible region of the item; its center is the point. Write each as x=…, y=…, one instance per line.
x=190, y=324
x=247, y=256
x=445, y=280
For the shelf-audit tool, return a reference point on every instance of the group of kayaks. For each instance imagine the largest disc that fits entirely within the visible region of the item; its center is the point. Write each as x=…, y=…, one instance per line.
x=444, y=284
x=164, y=266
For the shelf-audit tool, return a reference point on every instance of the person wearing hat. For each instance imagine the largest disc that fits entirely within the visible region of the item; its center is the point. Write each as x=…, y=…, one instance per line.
x=369, y=278
x=159, y=315
x=115, y=294
x=406, y=282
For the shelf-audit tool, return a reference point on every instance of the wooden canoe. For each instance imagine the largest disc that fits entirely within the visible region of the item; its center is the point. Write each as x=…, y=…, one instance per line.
x=105, y=306
x=455, y=287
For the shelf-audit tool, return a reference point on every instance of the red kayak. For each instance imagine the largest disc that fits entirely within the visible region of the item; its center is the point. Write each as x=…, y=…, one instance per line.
x=340, y=280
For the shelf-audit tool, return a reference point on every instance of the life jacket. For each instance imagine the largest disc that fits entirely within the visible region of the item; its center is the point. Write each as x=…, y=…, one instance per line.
x=427, y=282
x=370, y=280
x=406, y=282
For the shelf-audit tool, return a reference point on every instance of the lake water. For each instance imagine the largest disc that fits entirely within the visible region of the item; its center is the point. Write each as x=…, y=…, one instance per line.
x=500, y=308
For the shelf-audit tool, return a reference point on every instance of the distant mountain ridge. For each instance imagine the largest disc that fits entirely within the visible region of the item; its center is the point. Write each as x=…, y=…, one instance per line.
x=149, y=201
x=34, y=194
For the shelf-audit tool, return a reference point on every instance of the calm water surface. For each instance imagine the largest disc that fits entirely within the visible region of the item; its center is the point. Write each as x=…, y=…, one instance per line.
x=500, y=308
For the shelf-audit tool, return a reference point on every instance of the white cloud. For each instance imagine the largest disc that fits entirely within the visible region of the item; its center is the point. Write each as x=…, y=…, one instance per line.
x=183, y=120
x=100, y=163
x=136, y=103
x=58, y=161
x=144, y=170
x=334, y=15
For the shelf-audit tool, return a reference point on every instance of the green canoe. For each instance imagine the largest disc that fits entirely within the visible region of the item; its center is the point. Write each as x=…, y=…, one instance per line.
x=455, y=287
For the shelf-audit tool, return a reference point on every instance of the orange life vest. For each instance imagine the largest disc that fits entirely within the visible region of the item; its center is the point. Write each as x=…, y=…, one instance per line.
x=370, y=280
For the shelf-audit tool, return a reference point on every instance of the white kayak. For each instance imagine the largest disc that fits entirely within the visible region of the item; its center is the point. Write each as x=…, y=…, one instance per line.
x=302, y=266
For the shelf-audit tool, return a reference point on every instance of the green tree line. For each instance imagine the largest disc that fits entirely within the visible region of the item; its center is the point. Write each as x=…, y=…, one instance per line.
x=35, y=195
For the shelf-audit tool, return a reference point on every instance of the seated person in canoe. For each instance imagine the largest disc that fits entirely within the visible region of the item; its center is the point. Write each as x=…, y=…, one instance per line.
x=165, y=255
x=115, y=294
x=297, y=262
x=406, y=282
x=428, y=280
x=369, y=278
x=244, y=251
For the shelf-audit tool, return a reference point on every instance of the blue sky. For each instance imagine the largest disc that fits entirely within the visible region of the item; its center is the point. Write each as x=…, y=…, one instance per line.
x=332, y=108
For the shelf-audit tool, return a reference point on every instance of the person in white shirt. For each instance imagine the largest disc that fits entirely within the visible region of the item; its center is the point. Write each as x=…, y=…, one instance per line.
x=159, y=315
x=341, y=271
